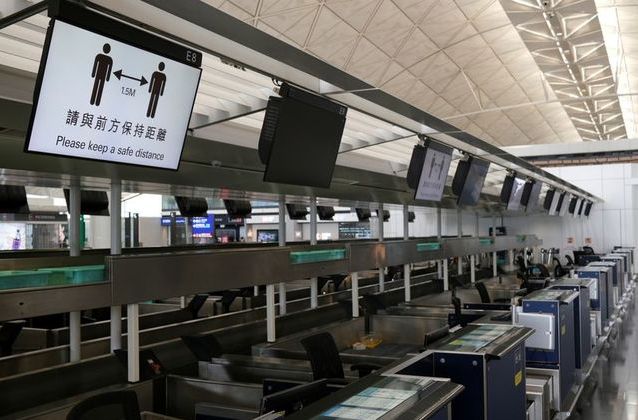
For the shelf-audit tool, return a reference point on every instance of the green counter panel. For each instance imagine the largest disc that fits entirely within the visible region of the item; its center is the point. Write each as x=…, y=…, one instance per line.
x=305, y=257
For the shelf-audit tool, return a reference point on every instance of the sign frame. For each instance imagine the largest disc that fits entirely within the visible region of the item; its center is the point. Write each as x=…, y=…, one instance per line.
x=103, y=25
x=440, y=148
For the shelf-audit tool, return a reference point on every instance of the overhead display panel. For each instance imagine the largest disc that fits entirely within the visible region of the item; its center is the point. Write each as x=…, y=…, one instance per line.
x=555, y=202
x=469, y=179
x=428, y=170
x=531, y=195
x=581, y=207
x=514, y=203
x=588, y=207
x=563, y=204
x=300, y=138
x=106, y=98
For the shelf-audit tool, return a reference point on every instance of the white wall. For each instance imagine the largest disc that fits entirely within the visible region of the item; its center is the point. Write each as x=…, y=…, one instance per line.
x=151, y=232
x=610, y=223
x=98, y=232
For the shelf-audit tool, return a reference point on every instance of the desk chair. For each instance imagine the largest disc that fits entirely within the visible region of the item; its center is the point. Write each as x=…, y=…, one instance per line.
x=118, y=405
x=325, y=360
x=9, y=332
x=483, y=293
x=196, y=304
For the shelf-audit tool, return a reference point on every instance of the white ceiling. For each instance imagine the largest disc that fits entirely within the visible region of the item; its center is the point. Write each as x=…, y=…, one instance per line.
x=450, y=58
x=618, y=20
x=461, y=60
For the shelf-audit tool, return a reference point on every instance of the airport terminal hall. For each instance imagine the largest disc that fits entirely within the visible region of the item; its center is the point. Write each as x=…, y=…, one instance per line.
x=318, y=209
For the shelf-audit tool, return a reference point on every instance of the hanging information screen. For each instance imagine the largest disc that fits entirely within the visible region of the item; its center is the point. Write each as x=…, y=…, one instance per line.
x=102, y=99
x=436, y=166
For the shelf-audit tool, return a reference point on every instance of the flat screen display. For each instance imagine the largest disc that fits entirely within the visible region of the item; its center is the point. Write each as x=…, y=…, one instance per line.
x=436, y=166
x=13, y=199
x=471, y=191
x=267, y=235
x=581, y=207
x=553, y=210
x=300, y=138
x=573, y=205
x=514, y=202
x=563, y=204
x=106, y=100
x=532, y=203
x=203, y=227
x=166, y=220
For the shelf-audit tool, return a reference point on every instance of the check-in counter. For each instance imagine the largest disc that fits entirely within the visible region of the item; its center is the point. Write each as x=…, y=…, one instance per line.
x=582, y=329
x=601, y=292
x=553, y=344
x=488, y=360
x=398, y=335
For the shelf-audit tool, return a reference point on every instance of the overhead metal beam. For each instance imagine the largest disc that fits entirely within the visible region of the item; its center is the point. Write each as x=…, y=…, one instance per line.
x=11, y=12
x=218, y=33
x=199, y=121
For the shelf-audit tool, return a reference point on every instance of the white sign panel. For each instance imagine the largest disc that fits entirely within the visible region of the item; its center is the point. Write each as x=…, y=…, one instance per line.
x=105, y=100
x=516, y=194
x=433, y=175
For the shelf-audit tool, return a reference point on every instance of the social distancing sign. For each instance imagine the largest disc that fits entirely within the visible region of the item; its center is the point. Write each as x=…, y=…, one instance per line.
x=103, y=99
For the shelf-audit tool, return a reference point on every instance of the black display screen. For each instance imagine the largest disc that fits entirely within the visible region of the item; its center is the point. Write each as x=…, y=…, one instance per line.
x=530, y=198
x=300, y=138
x=13, y=199
x=473, y=183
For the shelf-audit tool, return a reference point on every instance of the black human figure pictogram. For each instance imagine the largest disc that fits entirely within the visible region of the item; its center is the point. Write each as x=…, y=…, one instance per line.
x=156, y=88
x=102, y=67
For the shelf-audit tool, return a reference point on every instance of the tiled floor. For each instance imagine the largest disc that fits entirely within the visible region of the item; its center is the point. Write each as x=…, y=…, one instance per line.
x=615, y=391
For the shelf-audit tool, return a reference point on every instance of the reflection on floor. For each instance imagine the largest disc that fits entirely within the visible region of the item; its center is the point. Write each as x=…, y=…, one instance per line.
x=613, y=392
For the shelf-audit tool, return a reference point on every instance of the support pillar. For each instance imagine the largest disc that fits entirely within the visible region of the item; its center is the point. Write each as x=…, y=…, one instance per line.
x=270, y=313
x=381, y=269
x=472, y=268
x=133, y=341
x=314, y=284
x=116, y=249
x=439, y=263
x=459, y=230
x=494, y=256
x=406, y=267
x=75, y=335
x=354, y=287
x=282, y=242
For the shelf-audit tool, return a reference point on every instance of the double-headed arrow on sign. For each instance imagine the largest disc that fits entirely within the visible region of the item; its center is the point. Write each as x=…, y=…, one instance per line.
x=119, y=76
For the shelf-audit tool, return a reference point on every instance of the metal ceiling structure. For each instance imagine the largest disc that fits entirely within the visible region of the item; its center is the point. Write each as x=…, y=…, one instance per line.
x=381, y=129
x=566, y=40
x=451, y=58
